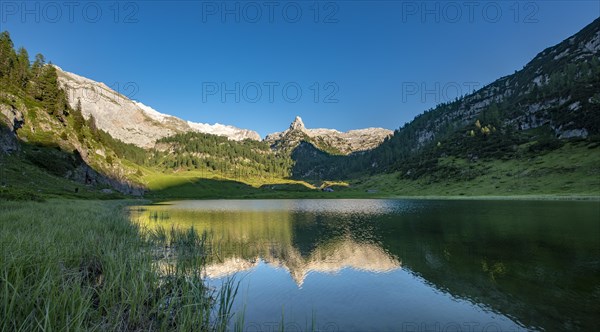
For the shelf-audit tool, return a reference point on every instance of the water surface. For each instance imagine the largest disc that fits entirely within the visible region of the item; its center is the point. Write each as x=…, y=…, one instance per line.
x=412, y=265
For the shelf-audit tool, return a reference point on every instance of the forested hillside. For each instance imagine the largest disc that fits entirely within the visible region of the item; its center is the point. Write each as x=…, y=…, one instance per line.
x=198, y=151
x=552, y=100
x=47, y=147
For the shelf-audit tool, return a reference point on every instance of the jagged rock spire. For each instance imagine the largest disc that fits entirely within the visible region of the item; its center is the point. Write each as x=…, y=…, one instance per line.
x=297, y=124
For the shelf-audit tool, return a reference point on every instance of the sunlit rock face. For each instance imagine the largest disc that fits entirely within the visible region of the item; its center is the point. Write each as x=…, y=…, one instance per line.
x=130, y=121
x=329, y=139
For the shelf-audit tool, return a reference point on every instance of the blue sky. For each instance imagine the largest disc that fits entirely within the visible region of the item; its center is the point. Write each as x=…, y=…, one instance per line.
x=343, y=65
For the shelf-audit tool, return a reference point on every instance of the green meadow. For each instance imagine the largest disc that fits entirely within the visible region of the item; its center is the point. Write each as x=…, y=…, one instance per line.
x=570, y=171
x=73, y=265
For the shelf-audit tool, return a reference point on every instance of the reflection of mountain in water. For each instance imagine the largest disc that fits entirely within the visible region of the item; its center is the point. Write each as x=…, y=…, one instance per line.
x=230, y=266
x=331, y=258
x=239, y=240
x=534, y=261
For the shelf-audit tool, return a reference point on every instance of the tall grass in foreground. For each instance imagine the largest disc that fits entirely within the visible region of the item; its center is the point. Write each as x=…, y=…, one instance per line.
x=81, y=265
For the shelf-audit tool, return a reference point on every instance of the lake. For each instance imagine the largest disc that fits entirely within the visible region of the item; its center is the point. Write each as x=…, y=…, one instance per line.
x=400, y=265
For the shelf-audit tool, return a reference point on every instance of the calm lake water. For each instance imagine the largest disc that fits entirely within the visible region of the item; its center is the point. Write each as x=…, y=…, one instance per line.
x=401, y=265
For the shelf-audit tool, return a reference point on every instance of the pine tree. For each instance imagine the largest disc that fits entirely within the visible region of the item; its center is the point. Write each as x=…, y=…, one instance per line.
x=91, y=123
x=7, y=55
x=48, y=92
x=22, y=68
x=78, y=120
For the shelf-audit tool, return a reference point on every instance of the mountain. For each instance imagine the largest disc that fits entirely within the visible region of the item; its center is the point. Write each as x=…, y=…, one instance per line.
x=553, y=100
x=558, y=89
x=130, y=121
x=135, y=123
x=540, y=124
x=329, y=140
x=558, y=92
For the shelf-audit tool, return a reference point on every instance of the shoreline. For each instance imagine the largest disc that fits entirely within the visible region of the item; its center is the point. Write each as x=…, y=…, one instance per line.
x=535, y=197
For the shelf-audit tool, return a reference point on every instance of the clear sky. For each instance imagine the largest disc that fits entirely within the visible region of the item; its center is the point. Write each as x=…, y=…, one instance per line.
x=343, y=65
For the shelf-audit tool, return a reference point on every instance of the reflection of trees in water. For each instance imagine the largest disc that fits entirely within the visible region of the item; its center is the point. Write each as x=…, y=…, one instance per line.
x=521, y=260
x=534, y=261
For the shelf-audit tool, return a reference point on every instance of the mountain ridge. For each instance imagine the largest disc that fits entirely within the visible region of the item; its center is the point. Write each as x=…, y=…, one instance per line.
x=329, y=140
x=554, y=98
x=132, y=121
x=136, y=123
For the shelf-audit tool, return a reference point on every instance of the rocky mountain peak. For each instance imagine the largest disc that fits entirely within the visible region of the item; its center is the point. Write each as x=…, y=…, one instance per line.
x=297, y=124
x=131, y=121
x=329, y=140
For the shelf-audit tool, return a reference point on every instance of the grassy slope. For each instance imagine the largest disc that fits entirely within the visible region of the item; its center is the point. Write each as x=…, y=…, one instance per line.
x=202, y=184
x=158, y=181
x=44, y=132
x=197, y=185
x=82, y=265
x=20, y=179
x=571, y=170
